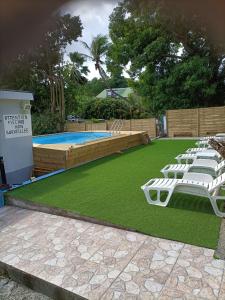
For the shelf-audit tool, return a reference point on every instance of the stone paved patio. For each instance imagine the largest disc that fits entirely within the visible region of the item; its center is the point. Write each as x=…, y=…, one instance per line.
x=100, y=262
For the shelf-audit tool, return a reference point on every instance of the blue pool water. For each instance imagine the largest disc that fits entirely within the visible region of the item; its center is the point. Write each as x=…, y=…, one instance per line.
x=70, y=137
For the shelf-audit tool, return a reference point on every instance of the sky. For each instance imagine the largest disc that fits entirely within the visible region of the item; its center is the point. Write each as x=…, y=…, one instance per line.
x=95, y=20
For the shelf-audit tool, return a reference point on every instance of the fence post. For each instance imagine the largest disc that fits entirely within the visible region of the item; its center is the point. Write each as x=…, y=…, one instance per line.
x=198, y=122
x=157, y=127
x=167, y=124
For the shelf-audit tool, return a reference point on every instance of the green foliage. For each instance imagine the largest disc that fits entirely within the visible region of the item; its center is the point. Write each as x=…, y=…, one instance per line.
x=98, y=47
x=187, y=85
x=77, y=68
x=97, y=50
x=80, y=94
x=73, y=76
x=137, y=107
x=106, y=109
x=45, y=123
x=170, y=58
x=92, y=88
x=36, y=69
x=95, y=86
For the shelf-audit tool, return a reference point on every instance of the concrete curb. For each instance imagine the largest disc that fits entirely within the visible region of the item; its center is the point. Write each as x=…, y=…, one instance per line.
x=220, y=250
x=26, y=204
x=37, y=284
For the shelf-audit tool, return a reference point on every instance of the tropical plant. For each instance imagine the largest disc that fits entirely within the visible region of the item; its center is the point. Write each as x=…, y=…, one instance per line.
x=170, y=57
x=97, y=50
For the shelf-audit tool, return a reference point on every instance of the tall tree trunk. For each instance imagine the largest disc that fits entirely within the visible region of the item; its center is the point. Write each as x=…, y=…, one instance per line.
x=62, y=101
x=52, y=95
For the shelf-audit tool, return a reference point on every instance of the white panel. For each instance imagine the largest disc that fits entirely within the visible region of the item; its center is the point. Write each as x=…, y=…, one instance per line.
x=15, y=95
x=17, y=125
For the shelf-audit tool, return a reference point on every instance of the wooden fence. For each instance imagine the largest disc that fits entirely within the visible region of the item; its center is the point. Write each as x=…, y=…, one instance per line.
x=148, y=125
x=196, y=122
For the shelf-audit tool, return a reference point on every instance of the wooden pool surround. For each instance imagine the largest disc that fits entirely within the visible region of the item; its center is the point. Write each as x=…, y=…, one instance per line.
x=48, y=158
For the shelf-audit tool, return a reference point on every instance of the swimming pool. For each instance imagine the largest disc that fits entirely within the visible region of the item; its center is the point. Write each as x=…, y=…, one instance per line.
x=70, y=138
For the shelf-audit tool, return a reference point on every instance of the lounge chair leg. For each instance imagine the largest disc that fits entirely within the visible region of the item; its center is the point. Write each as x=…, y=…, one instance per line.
x=215, y=207
x=168, y=197
x=158, y=196
x=158, y=200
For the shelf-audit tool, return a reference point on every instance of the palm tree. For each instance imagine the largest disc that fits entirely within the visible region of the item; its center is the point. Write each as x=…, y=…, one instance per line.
x=97, y=50
x=78, y=70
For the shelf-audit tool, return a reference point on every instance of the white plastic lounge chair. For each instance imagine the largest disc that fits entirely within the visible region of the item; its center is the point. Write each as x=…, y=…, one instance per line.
x=206, y=138
x=218, y=135
x=195, y=150
x=202, y=144
x=190, y=157
x=207, y=166
x=221, y=134
x=193, y=183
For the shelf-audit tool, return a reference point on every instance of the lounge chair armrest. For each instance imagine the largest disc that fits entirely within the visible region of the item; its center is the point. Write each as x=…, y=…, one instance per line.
x=148, y=183
x=165, y=168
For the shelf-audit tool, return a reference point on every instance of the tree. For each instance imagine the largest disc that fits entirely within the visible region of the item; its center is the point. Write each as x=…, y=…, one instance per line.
x=73, y=74
x=21, y=75
x=171, y=60
x=50, y=56
x=97, y=50
x=43, y=65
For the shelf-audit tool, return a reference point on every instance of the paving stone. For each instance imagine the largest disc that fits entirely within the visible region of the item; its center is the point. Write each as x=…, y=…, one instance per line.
x=195, y=275
x=98, y=262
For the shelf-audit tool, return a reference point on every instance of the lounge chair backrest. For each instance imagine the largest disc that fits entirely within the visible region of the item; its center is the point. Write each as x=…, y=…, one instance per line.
x=217, y=182
x=220, y=165
x=206, y=162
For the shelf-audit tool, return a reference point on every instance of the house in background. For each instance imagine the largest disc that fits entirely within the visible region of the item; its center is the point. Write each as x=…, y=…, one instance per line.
x=123, y=92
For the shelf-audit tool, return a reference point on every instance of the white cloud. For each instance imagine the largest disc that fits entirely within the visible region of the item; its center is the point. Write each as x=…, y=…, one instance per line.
x=95, y=20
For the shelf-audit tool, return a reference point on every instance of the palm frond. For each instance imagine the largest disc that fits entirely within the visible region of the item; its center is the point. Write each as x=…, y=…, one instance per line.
x=99, y=46
x=85, y=45
x=86, y=56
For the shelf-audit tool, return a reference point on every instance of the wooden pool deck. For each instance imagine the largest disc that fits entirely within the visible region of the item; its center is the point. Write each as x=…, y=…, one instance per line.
x=52, y=157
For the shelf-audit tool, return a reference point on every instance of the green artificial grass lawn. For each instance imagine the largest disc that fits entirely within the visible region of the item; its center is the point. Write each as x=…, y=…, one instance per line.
x=109, y=189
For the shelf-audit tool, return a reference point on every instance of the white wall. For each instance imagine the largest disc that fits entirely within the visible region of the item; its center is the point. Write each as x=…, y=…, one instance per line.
x=16, y=152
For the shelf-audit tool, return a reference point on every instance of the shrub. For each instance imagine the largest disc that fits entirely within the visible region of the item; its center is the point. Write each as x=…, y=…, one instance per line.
x=45, y=123
x=106, y=109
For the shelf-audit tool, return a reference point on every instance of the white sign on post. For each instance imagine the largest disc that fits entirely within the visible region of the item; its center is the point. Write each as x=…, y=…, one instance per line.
x=18, y=125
